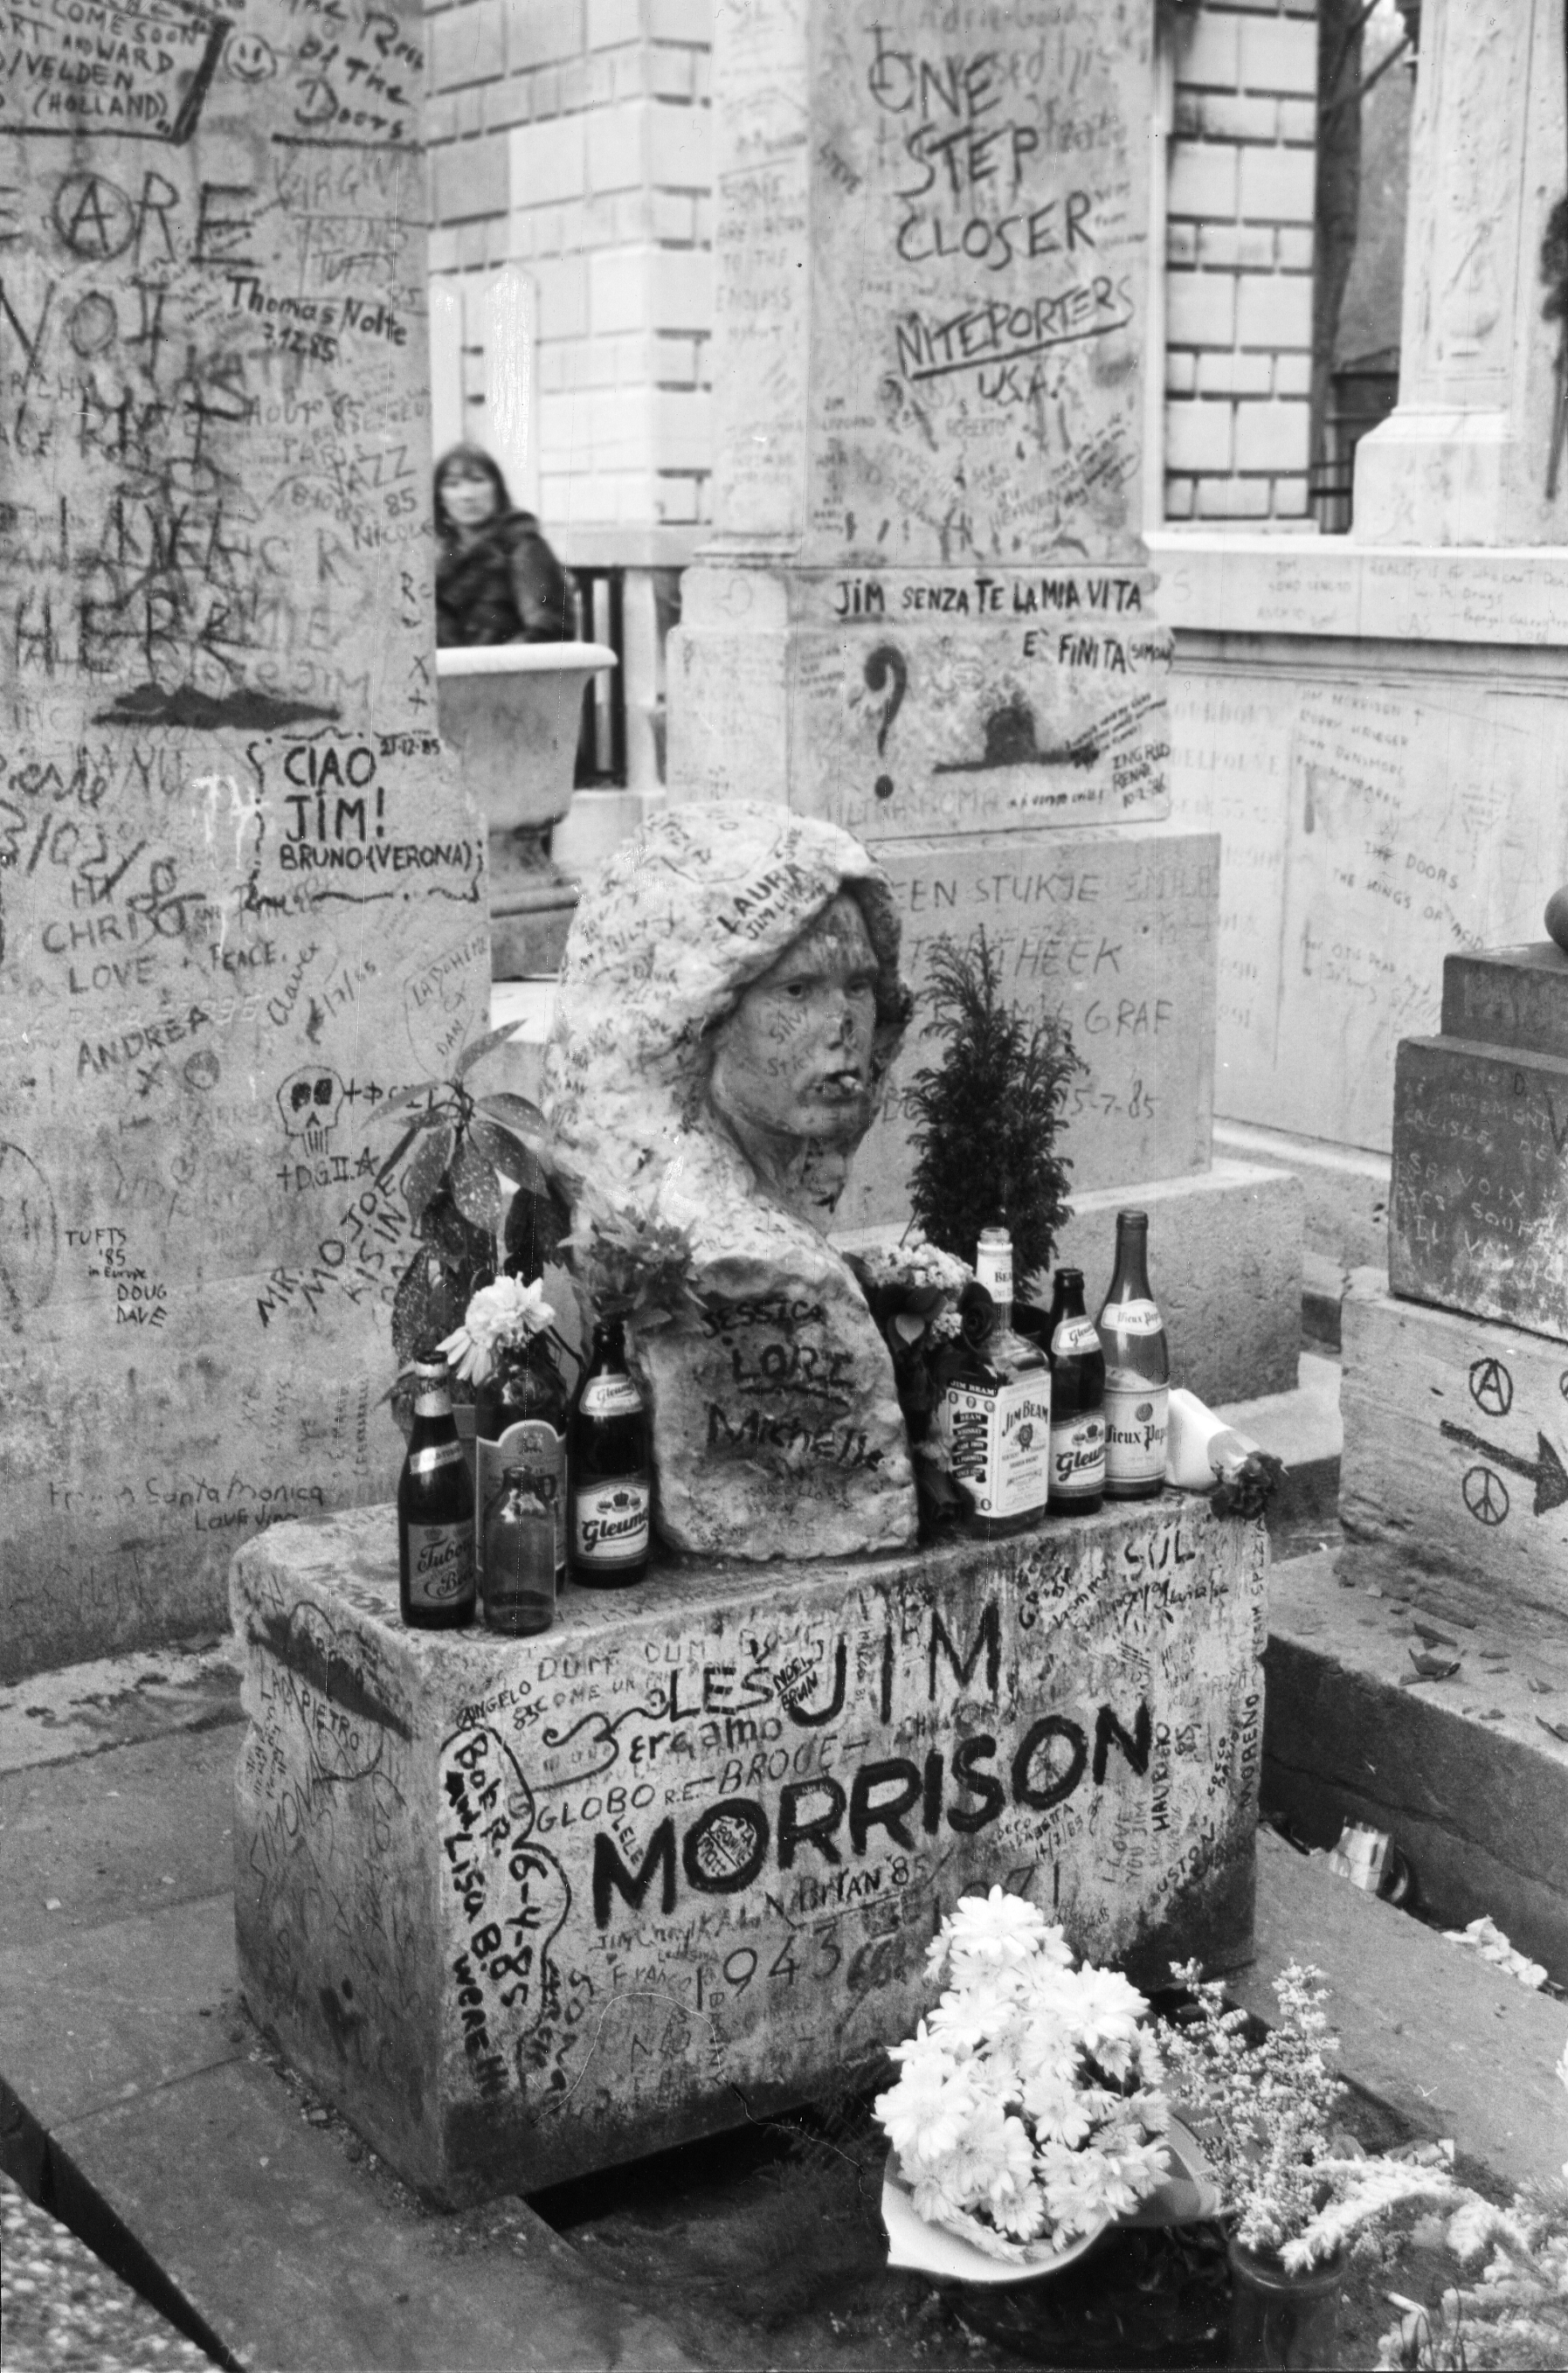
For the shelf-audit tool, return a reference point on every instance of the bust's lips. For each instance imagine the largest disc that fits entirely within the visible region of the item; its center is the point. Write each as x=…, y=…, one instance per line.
x=842, y=1087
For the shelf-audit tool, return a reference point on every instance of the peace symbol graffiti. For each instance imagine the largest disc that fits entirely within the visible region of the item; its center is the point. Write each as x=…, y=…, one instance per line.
x=1492, y=1387
x=1486, y=1495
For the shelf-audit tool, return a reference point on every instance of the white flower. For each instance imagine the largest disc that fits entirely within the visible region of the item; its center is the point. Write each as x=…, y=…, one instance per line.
x=503, y=1315
x=992, y=1932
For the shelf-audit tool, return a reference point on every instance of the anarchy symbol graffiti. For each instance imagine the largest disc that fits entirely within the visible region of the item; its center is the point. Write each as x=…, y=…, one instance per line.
x=1486, y=1495
x=1492, y=1387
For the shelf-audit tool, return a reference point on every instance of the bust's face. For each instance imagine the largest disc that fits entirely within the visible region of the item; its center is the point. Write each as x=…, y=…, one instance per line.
x=794, y=1059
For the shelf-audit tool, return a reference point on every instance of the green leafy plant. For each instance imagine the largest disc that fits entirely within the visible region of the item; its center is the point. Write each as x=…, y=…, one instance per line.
x=459, y=1147
x=987, y=1115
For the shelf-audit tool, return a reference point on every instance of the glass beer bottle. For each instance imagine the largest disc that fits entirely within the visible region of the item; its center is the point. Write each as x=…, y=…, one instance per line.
x=609, y=1461
x=1077, y=1393
x=519, y=1595
x=1138, y=1370
x=519, y=1419
x=435, y=1512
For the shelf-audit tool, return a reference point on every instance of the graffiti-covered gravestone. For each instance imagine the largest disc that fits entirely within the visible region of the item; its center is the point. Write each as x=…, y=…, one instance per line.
x=241, y=899
x=729, y=1005
x=527, y=1908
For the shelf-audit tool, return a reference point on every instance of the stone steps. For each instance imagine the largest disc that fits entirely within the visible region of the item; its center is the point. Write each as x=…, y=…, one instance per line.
x=1464, y=1772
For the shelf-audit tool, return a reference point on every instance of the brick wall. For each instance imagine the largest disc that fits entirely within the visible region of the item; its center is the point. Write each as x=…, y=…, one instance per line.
x=1239, y=288
x=571, y=138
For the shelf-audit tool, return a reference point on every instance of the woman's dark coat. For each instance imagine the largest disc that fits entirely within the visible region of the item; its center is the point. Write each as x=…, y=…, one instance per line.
x=505, y=587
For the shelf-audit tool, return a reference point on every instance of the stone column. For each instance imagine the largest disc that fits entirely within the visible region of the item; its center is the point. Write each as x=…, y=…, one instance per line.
x=242, y=898
x=1463, y=458
x=925, y=610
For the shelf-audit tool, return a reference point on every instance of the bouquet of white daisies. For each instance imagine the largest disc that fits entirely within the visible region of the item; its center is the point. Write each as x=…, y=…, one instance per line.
x=1027, y=2110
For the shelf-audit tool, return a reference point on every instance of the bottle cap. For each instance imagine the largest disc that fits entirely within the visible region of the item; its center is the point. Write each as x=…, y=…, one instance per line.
x=995, y=1237
x=1069, y=1277
x=436, y=1370
x=1132, y=1218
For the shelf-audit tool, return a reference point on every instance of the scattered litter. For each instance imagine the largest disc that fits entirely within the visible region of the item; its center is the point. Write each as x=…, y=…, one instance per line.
x=1485, y=1937
x=53, y=1903
x=166, y=1878
x=1434, y=1668
x=1495, y=1714
x=1433, y=2154
x=1544, y=1688
x=1420, y=1618
x=1557, y=1729
x=1433, y=1637
x=1361, y=1856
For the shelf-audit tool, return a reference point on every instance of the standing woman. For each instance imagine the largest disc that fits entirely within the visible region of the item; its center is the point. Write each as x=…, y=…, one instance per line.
x=496, y=579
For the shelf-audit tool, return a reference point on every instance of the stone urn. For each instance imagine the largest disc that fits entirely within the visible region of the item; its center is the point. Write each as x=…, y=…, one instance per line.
x=511, y=711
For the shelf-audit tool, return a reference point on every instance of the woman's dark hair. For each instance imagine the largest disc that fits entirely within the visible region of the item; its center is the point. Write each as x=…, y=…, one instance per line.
x=475, y=463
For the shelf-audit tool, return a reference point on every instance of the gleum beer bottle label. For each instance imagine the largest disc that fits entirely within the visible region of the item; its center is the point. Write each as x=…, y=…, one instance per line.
x=534, y=1444
x=1072, y=1335
x=1135, y=1417
x=610, y=1522
x=1132, y=1318
x=610, y=1396
x=440, y=1563
x=1078, y=1457
x=430, y=1462
x=998, y=1439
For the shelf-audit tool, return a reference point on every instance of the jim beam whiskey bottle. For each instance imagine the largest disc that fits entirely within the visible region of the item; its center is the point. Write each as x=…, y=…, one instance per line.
x=610, y=1460
x=435, y=1512
x=519, y=1419
x=996, y=1416
x=521, y=1530
x=1078, y=1394
x=1138, y=1370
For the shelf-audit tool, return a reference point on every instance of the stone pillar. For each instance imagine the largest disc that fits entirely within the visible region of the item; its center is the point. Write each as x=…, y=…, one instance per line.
x=925, y=611
x=243, y=899
x=1463, y=458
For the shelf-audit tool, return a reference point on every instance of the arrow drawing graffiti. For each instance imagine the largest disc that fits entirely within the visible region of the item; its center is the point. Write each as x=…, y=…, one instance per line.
x=1546, y=1470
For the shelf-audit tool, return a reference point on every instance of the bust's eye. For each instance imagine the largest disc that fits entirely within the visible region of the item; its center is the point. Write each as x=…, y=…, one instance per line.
x=796, y=991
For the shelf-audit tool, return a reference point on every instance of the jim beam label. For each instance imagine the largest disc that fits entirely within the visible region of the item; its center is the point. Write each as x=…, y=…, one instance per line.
x=1078, y=1457
x=430, y=1462
x=440, y=1563
x=1135, y=1417
x=540, y=1452
x=610, y=1396
x=999, y=1440
x=610, y=1522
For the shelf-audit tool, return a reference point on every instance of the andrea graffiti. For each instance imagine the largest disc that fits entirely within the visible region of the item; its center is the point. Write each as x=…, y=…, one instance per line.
x=730, y=1844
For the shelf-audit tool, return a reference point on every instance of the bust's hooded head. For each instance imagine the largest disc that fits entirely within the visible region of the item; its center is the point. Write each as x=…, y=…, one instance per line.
x=701, y=906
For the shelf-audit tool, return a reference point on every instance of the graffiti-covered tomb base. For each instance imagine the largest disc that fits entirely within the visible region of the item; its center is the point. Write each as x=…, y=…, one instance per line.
x=525, y=1908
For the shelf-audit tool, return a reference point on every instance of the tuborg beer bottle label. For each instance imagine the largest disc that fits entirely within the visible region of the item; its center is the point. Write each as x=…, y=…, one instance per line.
x=441, y=1562
x=431, y=1461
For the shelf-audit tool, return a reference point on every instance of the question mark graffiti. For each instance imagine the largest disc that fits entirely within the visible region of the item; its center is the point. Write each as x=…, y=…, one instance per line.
x=884, y=665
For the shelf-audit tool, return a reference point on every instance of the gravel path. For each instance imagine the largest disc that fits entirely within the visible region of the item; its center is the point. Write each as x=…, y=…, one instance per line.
x=62, y=2311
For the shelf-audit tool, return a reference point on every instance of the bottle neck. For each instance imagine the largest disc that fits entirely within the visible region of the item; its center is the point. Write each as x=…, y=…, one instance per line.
x=993, y=1270
x=1131, y=1282
x=432, y=1401
x=609, y=1347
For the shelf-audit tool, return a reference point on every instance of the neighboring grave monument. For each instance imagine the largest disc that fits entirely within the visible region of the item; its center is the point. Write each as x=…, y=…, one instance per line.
x=242, y=898
x=729, y=1005
x=924, y=614
x=1455, y=1474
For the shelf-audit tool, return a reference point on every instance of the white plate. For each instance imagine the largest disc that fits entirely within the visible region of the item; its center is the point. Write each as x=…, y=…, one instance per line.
x=1186, y=2196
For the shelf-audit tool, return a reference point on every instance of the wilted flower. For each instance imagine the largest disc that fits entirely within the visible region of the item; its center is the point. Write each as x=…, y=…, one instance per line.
x=502, y=1317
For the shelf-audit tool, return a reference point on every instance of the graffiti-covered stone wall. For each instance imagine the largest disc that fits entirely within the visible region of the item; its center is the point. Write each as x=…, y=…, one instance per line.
x=526, y=1908
x=241, y=898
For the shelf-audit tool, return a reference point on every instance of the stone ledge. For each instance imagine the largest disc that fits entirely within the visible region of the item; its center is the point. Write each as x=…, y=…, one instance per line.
x=1463, y=1773
x=1241, y=583
x=526, y=1908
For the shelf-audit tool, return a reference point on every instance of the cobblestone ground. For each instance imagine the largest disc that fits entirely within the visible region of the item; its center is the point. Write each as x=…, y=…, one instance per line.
x=62, y=2311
